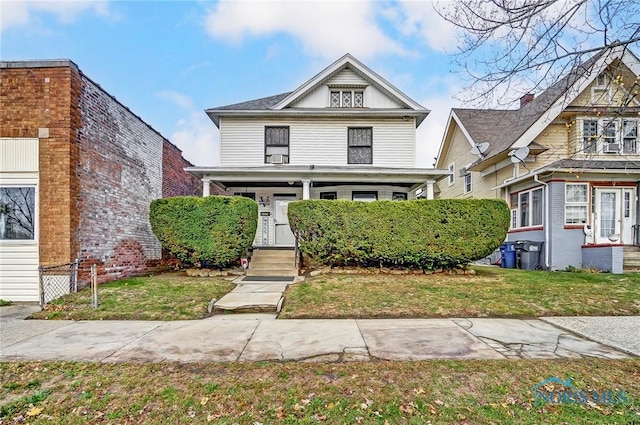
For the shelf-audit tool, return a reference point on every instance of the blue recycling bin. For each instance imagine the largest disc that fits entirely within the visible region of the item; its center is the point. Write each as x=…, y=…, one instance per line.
x=508, y=255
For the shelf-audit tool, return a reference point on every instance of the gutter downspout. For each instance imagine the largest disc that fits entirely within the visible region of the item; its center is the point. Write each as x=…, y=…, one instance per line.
x=547, y=225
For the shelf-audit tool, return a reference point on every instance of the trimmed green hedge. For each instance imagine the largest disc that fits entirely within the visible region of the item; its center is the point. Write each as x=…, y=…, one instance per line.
x=212, y=230
x=416, y=234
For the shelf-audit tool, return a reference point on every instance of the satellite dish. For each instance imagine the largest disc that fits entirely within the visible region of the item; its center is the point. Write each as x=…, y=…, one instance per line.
x=519, y=155
x=480, y=148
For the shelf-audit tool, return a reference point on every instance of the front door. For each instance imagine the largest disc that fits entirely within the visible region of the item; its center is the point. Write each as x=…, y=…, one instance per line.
x=614, y=215
x=283, y=234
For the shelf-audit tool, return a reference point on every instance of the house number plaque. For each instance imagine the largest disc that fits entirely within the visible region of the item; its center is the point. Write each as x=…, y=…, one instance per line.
x=265, y=230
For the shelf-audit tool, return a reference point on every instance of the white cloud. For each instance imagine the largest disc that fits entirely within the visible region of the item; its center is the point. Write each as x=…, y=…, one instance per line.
x=198, y=138
x=22, y=13
x=179, y=99
x=324, y=28
x=419, y=19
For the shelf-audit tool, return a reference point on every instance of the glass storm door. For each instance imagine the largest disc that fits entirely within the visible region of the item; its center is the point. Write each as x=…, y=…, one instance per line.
x=615, y=215
x=283, y=234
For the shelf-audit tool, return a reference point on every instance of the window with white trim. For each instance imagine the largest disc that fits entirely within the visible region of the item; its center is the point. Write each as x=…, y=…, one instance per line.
x=527, y=208
x=452, y=176
x=347, y=98
x=17, y=213
x=576, y=202
x=610, y=136
x=630, y=137
x=467, y=182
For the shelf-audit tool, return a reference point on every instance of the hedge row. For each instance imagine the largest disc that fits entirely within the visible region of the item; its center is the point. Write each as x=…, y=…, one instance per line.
x=214, y=231
x=416, y=234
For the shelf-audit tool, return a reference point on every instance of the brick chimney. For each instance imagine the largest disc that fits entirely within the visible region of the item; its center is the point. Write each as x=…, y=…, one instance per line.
x=528, y=97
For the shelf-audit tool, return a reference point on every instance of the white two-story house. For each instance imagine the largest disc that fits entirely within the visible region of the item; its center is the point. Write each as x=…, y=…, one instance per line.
x=346, y=133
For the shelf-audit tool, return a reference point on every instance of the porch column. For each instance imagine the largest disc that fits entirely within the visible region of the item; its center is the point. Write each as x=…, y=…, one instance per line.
x=306, y=184
x=429, y=189
x=206, y=187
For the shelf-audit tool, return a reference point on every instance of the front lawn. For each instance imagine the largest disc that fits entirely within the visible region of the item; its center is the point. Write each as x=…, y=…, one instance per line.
x=491, y=292
x=434, y=392
x=169, y=296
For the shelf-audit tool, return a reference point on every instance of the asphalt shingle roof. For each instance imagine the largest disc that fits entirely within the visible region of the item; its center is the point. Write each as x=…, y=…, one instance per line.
x=501, y=128
x=256, y=104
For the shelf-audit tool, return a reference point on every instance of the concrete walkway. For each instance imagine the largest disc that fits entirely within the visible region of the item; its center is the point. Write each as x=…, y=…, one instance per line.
x=259, y=337
x=255, y=295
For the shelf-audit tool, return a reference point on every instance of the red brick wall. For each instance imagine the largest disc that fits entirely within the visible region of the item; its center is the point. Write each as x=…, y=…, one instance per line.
x=176, y=181
x=34, y=98
x=120, y=173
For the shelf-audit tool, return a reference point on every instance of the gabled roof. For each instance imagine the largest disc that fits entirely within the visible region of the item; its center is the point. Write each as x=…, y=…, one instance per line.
x=511, y=129
x=282, y=104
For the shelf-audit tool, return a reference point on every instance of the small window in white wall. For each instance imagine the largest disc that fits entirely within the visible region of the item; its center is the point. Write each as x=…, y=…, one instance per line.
x=575, y=203
x=17, y=213
x=452, y=176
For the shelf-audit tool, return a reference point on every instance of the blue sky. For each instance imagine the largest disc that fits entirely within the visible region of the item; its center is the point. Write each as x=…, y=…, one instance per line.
x=169, y=60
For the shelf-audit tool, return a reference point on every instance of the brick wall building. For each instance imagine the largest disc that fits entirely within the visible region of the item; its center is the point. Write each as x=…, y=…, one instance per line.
x=86, y=166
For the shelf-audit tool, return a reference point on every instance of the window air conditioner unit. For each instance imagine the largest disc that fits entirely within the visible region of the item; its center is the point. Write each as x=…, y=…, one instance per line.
x=611, y=148
x=277, y=159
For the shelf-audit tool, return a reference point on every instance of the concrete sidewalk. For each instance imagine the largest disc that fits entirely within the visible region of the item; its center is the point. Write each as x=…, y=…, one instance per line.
x=259, y=337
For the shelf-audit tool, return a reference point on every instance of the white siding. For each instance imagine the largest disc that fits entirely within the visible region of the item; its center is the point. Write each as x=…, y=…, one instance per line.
x=318, y=98
x=319, y=142
x=347, y=77
x=18, y=155
x=19, y=271
x=19, y=260
x=373, y=98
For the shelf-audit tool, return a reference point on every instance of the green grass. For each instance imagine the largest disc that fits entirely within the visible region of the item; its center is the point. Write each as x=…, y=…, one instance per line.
x=491, y=292
x=4, y=303
x=435, y=392
x=169, y=296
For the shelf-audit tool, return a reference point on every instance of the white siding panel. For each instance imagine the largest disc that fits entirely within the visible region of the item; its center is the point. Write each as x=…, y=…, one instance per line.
x=19, y=272
x=18, y=155
x=319, y=142
x=347, y=77
x=374, y=98
x=318, y=98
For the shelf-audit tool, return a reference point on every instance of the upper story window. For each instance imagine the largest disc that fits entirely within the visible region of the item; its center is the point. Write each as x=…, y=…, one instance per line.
x=17, y=213
x=360, y=145
x=276, y=145
x=347, y=98
x=575, y=203
x=610, y=136
x=527, y=208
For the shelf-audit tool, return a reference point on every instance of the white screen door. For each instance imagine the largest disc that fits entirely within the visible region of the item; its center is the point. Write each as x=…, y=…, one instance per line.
x=283, y=234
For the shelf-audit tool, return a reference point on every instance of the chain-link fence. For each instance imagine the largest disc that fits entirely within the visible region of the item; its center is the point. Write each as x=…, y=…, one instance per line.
x=56, y=281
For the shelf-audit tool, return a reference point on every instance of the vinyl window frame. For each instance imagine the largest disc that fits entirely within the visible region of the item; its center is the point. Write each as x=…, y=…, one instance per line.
x=573, y=204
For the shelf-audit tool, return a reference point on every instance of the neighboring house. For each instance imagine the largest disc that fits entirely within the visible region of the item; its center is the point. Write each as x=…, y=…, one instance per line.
x=78, y=171
x=346, y=133
x=567, y=163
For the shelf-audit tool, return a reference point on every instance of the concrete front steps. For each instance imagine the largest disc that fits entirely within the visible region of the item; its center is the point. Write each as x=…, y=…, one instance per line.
x=631, y=258
x=272, y=262
x=261, y=290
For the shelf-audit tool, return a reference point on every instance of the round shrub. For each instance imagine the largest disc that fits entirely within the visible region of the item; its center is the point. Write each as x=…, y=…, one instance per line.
x=212, y=230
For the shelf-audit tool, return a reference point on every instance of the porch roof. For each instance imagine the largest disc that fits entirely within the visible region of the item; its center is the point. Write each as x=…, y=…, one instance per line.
x=280, y=175
x=626, y=167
